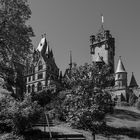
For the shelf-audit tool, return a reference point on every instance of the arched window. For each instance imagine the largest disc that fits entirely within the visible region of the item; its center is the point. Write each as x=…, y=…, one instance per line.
x=29, y=89
x=40, y=66
x=33, y=88
x=39, y=86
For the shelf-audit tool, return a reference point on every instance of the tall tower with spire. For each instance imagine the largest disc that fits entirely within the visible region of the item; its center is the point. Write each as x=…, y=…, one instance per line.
x=120, y=75
x=103, y=44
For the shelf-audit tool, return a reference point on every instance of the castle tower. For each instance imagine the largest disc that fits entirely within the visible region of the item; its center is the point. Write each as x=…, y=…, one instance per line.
x=103, y=44
x=133, y=82
x=120, y=75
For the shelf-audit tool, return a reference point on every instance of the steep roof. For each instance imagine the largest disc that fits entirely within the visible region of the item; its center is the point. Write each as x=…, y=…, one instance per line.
x=41, y=44
x=133, y=82
x=120, y=66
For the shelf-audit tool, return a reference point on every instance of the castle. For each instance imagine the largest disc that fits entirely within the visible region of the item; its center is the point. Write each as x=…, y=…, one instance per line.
x=44, y=72
x=102, y=50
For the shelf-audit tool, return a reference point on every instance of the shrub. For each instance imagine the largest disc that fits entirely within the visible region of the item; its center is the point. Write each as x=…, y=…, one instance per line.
x=124, y=104
x=10, y=136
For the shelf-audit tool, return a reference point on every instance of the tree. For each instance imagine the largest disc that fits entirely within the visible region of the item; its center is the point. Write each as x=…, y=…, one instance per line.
x=15, y=42
x=87, y=101
x=43, y=97
x=18, y=116
x=10, y=136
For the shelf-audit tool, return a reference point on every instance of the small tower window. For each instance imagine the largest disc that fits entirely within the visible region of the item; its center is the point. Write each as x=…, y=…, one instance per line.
x=118, y=76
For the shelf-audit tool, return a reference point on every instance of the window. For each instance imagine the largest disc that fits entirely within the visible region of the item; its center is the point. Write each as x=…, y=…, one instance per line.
x=39, y=86
x=118, y=76
x=33, y=88
x=29, y=79
x=29, y=89
x=40, y=75
x=33, y=77
x=40, y=66
x=25, y=80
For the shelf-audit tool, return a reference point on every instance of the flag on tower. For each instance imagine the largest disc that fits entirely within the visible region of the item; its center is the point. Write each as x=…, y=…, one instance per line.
x=102, y=18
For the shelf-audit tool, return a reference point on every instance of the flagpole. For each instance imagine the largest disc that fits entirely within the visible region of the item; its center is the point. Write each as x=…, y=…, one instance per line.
x=102, y=21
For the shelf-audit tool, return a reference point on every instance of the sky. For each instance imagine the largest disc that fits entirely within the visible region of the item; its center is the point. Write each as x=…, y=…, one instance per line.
x=69, y=24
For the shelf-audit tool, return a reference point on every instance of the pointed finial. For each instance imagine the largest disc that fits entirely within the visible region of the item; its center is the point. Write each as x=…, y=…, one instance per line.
x=44, y=34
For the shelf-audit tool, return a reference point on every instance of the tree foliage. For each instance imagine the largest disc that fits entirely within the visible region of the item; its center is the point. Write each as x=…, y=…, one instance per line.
x=15, y=42
x=86, y=100
x=43, y=97
x=10, y=136
x=17, y=116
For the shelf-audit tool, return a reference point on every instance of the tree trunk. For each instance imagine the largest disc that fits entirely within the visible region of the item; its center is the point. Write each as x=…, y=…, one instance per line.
x=93, y=135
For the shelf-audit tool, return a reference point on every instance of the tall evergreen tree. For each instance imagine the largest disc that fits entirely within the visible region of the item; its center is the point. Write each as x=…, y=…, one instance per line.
x=15, y=42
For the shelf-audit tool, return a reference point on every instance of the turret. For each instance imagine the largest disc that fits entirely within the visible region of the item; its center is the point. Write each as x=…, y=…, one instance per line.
x=133, y=83
x=120, y=75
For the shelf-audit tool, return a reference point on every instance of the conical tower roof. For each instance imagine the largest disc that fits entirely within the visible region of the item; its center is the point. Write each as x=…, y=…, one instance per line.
x=120, y=66
x=133, y=82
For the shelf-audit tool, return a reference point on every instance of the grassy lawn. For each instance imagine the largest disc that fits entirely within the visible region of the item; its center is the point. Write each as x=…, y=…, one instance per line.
x=125, y=121
x=125, y=117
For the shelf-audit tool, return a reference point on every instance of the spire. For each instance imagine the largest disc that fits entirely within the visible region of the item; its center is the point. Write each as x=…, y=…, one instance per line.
x=48, y=48
x=120, y=66
x=70, y=60
x=133, y=82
